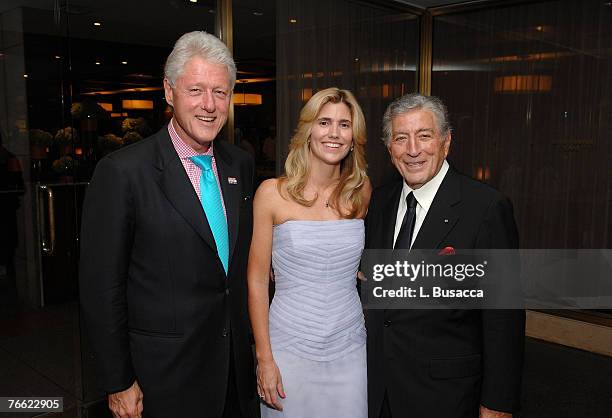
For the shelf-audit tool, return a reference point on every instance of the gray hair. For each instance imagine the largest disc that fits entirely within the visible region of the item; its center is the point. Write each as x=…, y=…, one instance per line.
x=415, y=101
x=201, y=44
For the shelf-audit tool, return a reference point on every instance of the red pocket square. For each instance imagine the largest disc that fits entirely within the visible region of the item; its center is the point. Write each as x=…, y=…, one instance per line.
x=447, y=251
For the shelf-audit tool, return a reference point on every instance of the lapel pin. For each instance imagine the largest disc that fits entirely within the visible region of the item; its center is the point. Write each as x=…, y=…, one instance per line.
x=232, y=180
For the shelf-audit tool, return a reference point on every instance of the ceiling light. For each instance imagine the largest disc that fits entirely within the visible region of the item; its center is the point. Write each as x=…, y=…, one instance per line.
x=193, y=1
x=246, y=99
x=97, y=24
x=25, y=76
x=258, y=13
x=356, y=59
x=293, y=20
x=255, y=80
x=137, y=104
x=530, y=83
x=544, y=28
x=124, y=62
x=57, y=57
x=97, y=62
x=121, y=91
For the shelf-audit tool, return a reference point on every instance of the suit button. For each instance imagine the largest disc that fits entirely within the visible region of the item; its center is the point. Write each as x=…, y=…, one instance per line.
x=227, y=291
x=225, y=332
x=387, y=323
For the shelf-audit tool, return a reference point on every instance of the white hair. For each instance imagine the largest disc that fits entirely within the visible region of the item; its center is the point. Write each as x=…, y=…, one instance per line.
x=415, y=101
x=200, y=44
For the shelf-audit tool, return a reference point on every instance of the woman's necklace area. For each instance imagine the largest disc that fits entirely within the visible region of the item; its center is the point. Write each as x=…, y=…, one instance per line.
x=323, y=193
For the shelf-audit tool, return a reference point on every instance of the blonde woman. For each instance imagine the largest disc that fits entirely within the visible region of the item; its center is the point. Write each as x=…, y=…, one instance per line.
x=310, y=342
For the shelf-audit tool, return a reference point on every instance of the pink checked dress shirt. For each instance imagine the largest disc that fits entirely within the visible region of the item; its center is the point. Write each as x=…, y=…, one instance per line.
x=194, y=172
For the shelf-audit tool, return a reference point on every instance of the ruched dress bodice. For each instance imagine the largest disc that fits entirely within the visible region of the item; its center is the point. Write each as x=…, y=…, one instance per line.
x=316, y=313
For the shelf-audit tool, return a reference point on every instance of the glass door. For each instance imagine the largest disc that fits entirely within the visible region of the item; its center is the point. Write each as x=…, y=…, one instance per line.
x=78, y=80
x=39, y=330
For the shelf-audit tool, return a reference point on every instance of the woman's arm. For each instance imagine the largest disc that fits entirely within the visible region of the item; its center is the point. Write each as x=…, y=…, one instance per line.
x=269, y=382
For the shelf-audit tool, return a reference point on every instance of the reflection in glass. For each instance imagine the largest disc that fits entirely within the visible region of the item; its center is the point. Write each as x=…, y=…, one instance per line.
x=255, y=91
x=368, y=49
x=527, y=88
x=78, y=80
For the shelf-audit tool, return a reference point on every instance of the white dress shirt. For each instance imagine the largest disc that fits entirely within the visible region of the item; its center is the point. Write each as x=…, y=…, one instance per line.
x=424, y=196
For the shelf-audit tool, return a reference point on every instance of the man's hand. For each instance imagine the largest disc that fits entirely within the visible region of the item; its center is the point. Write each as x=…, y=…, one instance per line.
x=489, y=413
x=126, y=404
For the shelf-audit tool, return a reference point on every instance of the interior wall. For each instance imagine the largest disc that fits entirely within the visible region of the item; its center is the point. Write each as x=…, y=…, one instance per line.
x=527, y=87
x=369, y=49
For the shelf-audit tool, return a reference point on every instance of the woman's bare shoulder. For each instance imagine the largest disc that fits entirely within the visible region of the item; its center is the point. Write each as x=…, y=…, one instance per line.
x=269, y=192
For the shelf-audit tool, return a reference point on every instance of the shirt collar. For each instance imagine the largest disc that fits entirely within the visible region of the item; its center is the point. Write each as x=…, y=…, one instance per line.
x=425, y=194
x=183, y=150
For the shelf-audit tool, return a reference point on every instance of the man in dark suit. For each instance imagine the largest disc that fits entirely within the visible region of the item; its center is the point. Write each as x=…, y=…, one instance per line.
x=439, y=363
x=166, y=229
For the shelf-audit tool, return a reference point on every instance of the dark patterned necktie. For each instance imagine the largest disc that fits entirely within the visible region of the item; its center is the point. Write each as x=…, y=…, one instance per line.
x=404, y=238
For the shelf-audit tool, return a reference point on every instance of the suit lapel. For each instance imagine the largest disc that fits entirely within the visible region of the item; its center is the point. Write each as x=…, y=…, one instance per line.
x=442, y=215
x=178, y=189
x=231, y=191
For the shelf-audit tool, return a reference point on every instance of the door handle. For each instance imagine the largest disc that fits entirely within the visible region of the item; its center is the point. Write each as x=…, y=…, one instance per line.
x=47, y=242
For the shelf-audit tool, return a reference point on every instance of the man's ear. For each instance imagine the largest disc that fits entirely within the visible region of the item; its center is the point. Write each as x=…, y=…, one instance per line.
x=447, y=144
x=168, y=92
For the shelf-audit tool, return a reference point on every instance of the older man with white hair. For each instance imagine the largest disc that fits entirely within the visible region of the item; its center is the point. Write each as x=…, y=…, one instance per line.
x=166, y=231
x=439, y=363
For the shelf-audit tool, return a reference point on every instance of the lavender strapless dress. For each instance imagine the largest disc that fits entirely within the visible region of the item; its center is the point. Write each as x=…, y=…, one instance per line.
x=317, y=329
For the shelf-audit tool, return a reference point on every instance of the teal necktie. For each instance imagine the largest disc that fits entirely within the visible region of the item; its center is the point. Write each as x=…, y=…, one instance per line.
x=213, y=207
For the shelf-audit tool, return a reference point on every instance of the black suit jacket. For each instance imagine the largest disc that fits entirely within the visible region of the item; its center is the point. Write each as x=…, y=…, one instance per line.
x=157, y=303
x=445, y=363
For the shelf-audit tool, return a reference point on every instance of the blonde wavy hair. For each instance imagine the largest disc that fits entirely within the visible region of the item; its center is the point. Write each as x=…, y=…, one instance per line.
x=346, y=198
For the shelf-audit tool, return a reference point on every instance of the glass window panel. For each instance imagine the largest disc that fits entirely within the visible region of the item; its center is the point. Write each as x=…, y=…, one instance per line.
x=255, y=92
x=366, y=48
x=527, y=88
x=117, y=80
x=39, y=341
x=78, y=79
